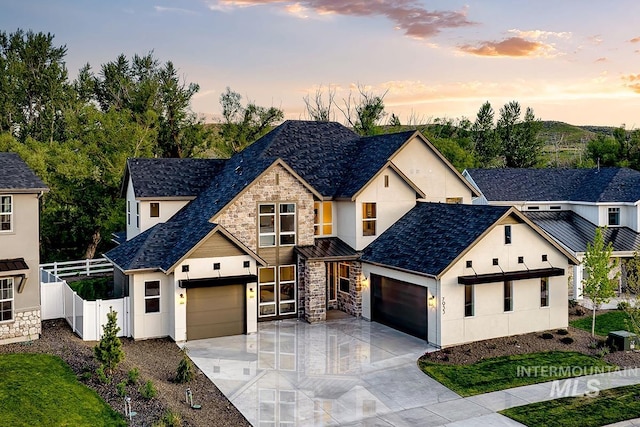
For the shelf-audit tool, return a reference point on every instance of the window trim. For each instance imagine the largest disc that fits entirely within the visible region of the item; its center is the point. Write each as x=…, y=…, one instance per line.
x=128, y=212
x=282, y=215
x=275, y=298
x=508, y=236
x=8, y=214
x=507, y=290
x=10, y=282
x=150, y=297
x=615, y=211
x=469, y=305
x=319, y=224
x=270, y=233
x=157, y=210
x=295, y=293
x=369, y=219
x=137, y=214
x=544, y=292
x=344, y=279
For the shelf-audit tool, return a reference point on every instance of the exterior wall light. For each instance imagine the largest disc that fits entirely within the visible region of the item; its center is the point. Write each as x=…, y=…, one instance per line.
x=252, y=293
x=432, y=301
x=182, y=299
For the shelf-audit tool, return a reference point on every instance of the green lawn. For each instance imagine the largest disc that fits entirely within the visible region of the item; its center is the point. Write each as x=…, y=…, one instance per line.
x=609, y=406
x=509, y=371
x=41, y=390
x=605, y=322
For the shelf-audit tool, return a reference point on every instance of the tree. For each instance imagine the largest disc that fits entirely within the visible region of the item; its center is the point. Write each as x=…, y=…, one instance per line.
x=632, y=293
x=604, y=150
x=519, y=139
x=109, y=351
x=365, y=113
x=485, y=143
x=598, y=285
x=318, y=109
x=243, y=125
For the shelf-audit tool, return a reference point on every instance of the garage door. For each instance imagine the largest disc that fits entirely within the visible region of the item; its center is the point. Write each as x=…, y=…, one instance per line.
x=215, y=311
x=400, y=305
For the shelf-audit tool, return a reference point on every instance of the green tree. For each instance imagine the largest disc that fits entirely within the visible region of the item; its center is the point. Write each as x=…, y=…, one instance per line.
x=485, y=142
x=598, y=284
x=632, y=293
x=365, y=112
x=604, y=150
x=109, y=351
x=519, y=141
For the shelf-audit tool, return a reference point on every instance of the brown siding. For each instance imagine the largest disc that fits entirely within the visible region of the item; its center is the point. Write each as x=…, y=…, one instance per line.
x=216, y=246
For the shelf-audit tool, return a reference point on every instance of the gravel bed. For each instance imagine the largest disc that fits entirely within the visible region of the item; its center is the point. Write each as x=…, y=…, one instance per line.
x=156, y=360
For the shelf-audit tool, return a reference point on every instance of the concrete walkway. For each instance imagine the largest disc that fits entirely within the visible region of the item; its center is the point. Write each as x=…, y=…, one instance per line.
x=354, y=372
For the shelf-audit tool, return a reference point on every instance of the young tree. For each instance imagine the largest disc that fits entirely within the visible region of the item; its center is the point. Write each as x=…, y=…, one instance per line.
x=599, y=284
x=364, y=114
x=109, y=350
x=632, y=293
x=519, y=138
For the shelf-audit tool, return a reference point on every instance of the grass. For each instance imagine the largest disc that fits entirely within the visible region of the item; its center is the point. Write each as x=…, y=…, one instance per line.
x=605, y=323
x=609, y=406
x=504, y=372
x=41, y=389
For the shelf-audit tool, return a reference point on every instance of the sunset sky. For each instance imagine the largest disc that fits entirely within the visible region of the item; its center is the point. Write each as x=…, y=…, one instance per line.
x=576, y=61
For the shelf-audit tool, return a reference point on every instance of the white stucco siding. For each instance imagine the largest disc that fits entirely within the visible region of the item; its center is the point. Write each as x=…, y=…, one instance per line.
x=151, y=325
x=130, y=211
x=489, y=319
x=434, y=177
x=168, y=208
x=392, y=202
x=344, y=216
x=433, y=315
x=587, y=211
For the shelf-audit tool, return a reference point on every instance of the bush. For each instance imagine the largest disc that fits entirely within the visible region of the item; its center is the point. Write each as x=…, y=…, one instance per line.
x=93, y=289
x=121, y=388
x=102, y=377
x=623, y=305
x=133, y=376
x=148, y=390
x=547, y=336
x=185, y=371
x=169, y=419
x=109, y=350
x=603, y=352
x=566, y=340
x=580, y=311
x=562, y=332
x=573, y=303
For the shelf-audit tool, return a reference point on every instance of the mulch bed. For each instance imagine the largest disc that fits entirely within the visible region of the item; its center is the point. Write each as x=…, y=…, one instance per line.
x=157, y=360
x=466, y=354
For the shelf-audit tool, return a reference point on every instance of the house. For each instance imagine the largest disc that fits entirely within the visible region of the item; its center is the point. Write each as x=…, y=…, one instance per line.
x=299, y=223
x=569, y=204
x=20, y=191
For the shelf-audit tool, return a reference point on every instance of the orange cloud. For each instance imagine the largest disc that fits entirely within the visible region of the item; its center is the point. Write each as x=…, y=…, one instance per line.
x=602, y=59
x=513, y=46
x=635, y=40
x=632, y=82
x=407, y=15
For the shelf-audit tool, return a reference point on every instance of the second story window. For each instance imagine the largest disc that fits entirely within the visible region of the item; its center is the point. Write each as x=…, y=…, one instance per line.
x=154, y=210
x=6, y=213
x=287, y=224
x=507, y=234
x=369, y=217
x=322, y=218
x=276, y=224
x=138, y=214
x=614, y=216
x=267, y=225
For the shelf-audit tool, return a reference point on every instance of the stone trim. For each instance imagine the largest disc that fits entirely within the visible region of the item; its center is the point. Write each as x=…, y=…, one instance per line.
x=27, y=326
x=315, y=294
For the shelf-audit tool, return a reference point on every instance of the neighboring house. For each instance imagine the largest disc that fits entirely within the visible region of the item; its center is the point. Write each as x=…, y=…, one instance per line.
x=569, y=204
x=20, y=191
x=299, y=223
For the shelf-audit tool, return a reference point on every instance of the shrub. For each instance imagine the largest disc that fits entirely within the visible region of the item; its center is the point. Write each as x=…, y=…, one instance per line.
x=547, y=336
x=169, y=419
x=185, y=371
x=566, y=340
x=102, y=377
x=93, y=289
x=593, y=345
x=580, y=311
x=109, y=351
x=148, y=390
x=85, y=376
x=573, y=303
x=603, y=352
x=623, y=305
x=121, y=388
x=133, y=376
x=562, y=332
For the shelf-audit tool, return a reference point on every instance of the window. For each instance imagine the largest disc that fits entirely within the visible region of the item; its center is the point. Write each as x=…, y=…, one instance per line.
x=6, y=213
x=277, y=293
x=322, y=218
x=386, y=181
x=267, y=291
x=152, y=296
x=468, y=300
x=554, y=208
x=138, y=214
x=508, y=295
x=614, y=216
x=332, y=280
x=128, y=212
x=287, y=224
x=507, y=234
x=287, y=284
x=544, y=292
x=454, y=200
x=267, y=225
x=6, y=299
x=533, y=208
x=343, y=277
x=368, y=219
x=154, y=210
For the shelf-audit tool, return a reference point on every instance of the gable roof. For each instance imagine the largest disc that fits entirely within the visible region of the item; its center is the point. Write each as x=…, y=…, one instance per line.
x=558, y=184
x=574, y=232
x=17, y=177
x=431, y=236
x=160, y=178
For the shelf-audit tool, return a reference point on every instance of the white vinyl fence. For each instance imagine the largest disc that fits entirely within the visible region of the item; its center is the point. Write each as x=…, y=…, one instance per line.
x=83, y=267
x=86, y=318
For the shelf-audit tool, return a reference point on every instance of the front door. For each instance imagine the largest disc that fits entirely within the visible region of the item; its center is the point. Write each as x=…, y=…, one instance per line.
x=277, y=292
x=332, y=284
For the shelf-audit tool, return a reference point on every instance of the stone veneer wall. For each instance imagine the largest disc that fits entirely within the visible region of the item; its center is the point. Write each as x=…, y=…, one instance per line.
x=351, y=303
x=315, y=296
x=27, y=326
x=240, y=218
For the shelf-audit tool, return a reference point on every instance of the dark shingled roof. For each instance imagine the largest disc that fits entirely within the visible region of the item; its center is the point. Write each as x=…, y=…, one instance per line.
x=13, y=264
x=580, y=185
x=431, y=235
x=574, y=232
x=328, y=248
x=324, y=154
x=16, y=175
x=172, y=177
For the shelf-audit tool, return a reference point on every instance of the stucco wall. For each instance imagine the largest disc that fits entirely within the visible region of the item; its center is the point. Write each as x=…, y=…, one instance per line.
x=152, y=325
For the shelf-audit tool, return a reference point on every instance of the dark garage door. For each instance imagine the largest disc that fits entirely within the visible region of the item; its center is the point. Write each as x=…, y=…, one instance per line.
x=215, y=311
x=400, y=305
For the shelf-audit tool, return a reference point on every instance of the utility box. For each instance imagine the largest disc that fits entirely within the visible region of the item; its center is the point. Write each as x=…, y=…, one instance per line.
x=623, y=340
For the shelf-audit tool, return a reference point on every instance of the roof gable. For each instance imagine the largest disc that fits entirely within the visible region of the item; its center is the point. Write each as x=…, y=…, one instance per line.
x=16, y=176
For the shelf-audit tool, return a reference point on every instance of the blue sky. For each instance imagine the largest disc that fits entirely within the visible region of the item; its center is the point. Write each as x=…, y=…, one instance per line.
x=570, y=60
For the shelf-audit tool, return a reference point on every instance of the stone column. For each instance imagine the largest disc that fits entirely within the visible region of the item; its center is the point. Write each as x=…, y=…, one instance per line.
x=315, y=293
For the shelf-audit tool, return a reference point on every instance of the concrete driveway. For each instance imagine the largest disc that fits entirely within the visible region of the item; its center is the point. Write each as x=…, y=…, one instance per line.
x=341, y=372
